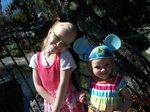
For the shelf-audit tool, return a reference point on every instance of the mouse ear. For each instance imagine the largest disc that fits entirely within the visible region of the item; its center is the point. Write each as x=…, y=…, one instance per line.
x=113, y=42
x=81, y=45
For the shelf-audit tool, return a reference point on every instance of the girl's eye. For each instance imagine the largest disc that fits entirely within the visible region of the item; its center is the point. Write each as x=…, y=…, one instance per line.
x=97, y=67
x=107, y=65
x=56, y=39
x=60, y=41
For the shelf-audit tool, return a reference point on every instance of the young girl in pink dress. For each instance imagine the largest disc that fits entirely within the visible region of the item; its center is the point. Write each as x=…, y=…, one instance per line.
x=52, y=70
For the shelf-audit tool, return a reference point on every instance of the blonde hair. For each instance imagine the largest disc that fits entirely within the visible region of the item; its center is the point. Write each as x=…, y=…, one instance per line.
x=69, y=27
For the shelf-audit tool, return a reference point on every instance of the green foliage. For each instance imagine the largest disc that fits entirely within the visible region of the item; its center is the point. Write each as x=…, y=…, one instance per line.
x=48, y=9
x=15, y=52
x=37, y=46
x=20, y=19
x=84, y=82
x=13, y=46
x=19, y=12
x=2, y=18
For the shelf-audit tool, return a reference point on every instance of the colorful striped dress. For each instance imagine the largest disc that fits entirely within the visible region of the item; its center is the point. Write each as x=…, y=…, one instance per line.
x=105, y=94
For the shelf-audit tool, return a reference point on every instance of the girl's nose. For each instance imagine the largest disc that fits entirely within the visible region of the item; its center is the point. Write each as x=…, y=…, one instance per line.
x=58, y=44
x=103, y=70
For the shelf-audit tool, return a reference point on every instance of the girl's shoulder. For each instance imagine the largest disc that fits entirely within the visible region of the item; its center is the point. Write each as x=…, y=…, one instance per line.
x=118, y=77
x=65, y=53
x=33, y=61
x=120, y=81
x=34, y=57
x=36, y=54
x=67, y=61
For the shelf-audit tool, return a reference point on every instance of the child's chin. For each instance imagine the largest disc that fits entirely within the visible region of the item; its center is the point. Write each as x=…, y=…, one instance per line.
x=103, y=78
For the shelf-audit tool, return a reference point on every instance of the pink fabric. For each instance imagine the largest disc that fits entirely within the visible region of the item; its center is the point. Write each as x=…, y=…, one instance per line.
x=70, y=103
x=50, y=78
x=103, y=87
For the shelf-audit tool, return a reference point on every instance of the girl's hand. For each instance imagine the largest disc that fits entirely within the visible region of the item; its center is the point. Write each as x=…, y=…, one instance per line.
x=105, y=111
x=117, y=111
x=52, y=100
x=82, y=98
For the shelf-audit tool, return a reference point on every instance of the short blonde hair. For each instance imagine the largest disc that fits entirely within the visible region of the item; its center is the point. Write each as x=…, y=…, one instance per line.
x=69, y=27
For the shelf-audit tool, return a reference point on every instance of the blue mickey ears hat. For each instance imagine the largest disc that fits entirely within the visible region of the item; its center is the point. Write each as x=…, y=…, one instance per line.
x=86, y=52
x=100, y=52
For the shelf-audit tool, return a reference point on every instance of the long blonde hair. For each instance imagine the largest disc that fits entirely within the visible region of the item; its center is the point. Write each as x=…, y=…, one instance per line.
x=65, y=25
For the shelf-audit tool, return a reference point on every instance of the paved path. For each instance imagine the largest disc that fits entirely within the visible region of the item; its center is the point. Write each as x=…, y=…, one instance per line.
x=19, y=60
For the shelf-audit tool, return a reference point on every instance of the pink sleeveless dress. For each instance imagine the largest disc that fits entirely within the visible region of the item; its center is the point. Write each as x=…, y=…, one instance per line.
x=50, y=78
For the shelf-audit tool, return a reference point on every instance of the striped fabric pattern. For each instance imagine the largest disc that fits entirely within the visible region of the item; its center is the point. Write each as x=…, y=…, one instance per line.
x=105, y=94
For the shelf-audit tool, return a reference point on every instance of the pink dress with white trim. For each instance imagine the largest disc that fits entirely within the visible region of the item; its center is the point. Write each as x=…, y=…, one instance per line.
x=50, y=78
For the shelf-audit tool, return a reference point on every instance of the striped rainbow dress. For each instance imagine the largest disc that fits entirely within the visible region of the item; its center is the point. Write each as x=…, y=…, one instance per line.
x=105, y=94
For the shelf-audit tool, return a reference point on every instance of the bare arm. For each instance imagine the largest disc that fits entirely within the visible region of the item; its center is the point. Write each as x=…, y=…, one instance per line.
x=62, y=89
x=39, y=88
x=128, y=99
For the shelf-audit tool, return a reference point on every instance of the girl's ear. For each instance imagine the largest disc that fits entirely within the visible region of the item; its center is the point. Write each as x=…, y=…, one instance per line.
x=49, y=32
x=114, y=67
x=90, y=69
x=89, y=65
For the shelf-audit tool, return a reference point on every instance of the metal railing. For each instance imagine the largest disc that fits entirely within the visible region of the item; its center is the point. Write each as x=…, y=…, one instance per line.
x=16, y=86
x=17, y=93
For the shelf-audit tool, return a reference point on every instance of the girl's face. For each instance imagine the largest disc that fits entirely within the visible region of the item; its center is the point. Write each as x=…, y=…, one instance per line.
x=102, y=68
x=59, y=40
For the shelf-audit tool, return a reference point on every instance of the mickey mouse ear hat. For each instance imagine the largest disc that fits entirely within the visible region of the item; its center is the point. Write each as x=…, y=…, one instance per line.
x=111, y=43
x=100, y=52
x=81, y=45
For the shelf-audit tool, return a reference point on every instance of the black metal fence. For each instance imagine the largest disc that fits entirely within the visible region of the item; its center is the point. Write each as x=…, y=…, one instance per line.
x=16, y=86
x=17, y=93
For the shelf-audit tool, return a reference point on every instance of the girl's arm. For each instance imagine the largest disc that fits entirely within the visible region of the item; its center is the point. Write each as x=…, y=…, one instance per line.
x=62, y=89
x=39, y=88
x=128, y=99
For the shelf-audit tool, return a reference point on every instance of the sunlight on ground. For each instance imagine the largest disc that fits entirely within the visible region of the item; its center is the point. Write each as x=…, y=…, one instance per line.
x=146, y=54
